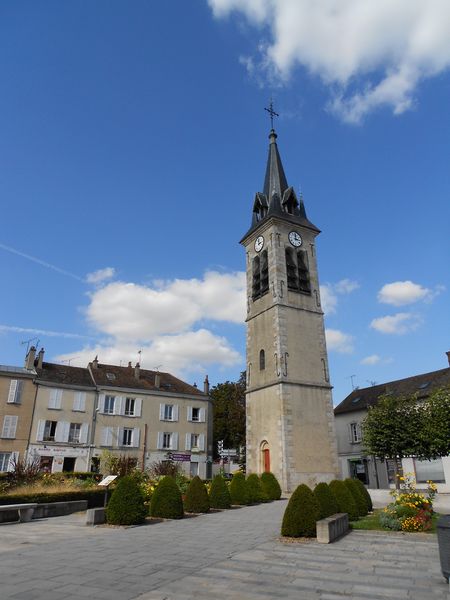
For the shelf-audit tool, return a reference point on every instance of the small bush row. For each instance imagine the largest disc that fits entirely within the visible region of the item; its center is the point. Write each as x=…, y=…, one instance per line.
x=94, y=497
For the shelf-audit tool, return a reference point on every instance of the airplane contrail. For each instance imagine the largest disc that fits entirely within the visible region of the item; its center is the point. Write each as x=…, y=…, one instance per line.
x=43, y=263
x=44, y=332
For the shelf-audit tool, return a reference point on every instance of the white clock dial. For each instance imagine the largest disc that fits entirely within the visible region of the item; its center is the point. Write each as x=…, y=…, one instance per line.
x=295, y=239
x=259, y=243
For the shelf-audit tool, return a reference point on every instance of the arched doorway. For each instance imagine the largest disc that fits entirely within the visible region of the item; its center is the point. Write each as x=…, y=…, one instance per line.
x=265, y=457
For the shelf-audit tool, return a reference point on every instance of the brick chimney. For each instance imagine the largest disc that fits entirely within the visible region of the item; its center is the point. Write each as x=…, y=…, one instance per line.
x=157, y=380
x=40, y=358
x=94, y=363
x=29, y=358
x=137, y=370
x=206, y=385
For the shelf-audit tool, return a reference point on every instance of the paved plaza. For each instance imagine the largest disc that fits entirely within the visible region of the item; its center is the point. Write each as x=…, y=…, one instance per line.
x=233, y=554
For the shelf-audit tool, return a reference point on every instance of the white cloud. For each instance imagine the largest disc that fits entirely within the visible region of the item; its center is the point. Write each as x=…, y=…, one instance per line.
x=129, y=311
x=100, y=275
x=370, y=53
x=373, y=359
x=400, y=293
x=339, y=341
x=398, y=324
x=192, y=351
x=329, y=292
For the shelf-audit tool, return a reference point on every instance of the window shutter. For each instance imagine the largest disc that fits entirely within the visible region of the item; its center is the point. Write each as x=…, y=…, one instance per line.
x=350, y=437
x=9, y=426
x=76, y=401
x=175, y=412
x=202, y=415
x=188, y=441
x=101, y=403
x=159, y=444
x=62, y=431
x=120, y=436
x=161, y=412
x=105, y=436
x=12, y=461
x=79, y=401
x=84, y=433
x=174, y=445
x=40, y=431
x=201, y=441
x=359, y=431
x=138, y=407
x=118, y=402
x=12, y=391
x=55, y=399
x=135, y=437
x=189, y=416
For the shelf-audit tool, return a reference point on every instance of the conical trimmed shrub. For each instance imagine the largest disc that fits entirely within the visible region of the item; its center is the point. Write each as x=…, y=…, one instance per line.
x=327, y=501
x=360, y=500
x=219, y=494
x=196, y=500
x=271, y=486
x=127, y=503
x=238, y=489
x=166, y=500
x=365, y=493
x=255, y=489
x=301, y=514
x=344, y=499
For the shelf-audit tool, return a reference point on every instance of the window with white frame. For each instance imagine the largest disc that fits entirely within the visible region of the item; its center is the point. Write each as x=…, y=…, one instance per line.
x=130, y=407
x=55, y=399
x=196, y=414
x=167, y=440
x=4, y=461
x=355, y=433
x=168, y=412
x=127, y=436
x=79, y=401
x=74, y=433
x=15, y=391
x=49, y=431
x=194, y=440
x=9, y=426
x=108, y=407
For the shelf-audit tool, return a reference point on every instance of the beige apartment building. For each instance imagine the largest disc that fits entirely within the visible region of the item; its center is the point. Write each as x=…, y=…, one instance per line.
x=73, y=414
x=17, y=398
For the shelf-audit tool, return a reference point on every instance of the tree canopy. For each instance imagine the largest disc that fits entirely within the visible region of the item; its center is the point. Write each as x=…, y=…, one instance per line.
x=401, y=427
x=229, y=413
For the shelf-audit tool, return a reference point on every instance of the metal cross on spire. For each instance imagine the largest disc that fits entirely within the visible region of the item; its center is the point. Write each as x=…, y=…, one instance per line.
x=271, y=112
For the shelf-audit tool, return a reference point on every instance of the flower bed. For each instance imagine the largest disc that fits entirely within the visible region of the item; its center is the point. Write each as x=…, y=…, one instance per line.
x=410, y=510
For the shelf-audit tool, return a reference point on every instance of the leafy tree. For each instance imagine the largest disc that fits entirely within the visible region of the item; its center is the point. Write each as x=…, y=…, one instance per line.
x=401, y=427
x=229, y=413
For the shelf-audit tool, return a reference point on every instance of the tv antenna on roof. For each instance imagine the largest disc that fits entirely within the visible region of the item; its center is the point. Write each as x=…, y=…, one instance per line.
x=28, y=342
x=157, y=368
x=351, y=377
x=69, y=360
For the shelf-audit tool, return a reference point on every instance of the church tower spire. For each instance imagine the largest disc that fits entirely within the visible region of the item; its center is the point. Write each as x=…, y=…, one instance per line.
x=290, y=423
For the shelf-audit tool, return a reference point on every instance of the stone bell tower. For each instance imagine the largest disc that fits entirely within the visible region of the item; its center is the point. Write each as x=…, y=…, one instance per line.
x=290, y=423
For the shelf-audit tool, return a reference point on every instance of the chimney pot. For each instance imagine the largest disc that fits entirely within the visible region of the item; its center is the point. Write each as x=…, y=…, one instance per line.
x=137, y=370
x=206, y=385
x=95, y=362
x=40, y=358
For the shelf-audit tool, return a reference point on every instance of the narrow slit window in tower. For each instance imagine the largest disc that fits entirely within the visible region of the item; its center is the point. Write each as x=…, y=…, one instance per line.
x=262, y=360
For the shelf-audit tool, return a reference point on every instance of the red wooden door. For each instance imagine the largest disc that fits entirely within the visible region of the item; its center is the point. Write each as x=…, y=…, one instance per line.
x=266, y=460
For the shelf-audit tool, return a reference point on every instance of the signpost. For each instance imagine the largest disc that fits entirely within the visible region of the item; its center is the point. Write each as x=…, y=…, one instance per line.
x=105, y=483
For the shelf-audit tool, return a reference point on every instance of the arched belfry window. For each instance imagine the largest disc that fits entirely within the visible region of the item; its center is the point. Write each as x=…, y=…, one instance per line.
x=297, y=271
x=291, y=270
x=303, y=272
x=260, y=272
x=262, y=360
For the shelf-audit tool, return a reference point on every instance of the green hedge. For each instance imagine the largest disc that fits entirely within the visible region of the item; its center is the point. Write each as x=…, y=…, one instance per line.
x=361, y=503
x=95, y=497
x=366, y=494
x=127, y=503
x=271, y=486
x=219, y=494
x=196, y=499
x=239, y=489
x=327, y=502
x=166, y=501
x=301, y=514
x=344, y=499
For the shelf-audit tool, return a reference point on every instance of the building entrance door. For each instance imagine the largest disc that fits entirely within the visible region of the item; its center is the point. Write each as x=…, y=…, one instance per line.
x=266, y=455
x=69, y=463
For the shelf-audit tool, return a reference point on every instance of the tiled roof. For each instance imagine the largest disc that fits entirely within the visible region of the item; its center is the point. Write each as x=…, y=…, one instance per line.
x=64, y=375
x=123, y=377
x=422, y=385
x=17, y=370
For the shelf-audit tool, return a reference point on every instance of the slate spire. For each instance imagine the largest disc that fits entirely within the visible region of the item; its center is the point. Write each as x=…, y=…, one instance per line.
x=275, y=179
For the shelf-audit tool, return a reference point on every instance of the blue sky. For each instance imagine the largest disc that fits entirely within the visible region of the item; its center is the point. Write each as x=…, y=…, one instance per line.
x=133, y=139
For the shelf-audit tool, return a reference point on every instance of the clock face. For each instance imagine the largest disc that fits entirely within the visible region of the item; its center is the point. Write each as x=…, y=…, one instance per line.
x=259, y=243
x=295, y=239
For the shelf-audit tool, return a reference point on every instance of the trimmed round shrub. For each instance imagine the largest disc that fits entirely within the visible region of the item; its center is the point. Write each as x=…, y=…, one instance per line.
x=238, y=489
x=196, y=500
x=301, y=514
x=365, y=493
x=126, y=506
x=255, y=489
x=360, y=500
x=219, y=494
x=166, y=500
x=344, y=499
x=271, y=486
x=327, y=502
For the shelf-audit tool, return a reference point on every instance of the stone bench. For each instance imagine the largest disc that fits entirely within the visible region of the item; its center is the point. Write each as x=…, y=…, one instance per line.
x=332, y=528
x=96, y=516
x=25, y=510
